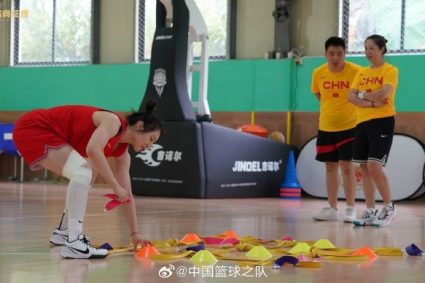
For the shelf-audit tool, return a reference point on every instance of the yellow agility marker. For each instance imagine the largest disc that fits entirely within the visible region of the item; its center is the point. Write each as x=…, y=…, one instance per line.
x=258, y=253
x=300, y=248
x=323, y=244
x=204, y=257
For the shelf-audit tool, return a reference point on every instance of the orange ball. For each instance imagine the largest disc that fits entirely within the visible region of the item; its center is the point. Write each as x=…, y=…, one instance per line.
x=277, y=137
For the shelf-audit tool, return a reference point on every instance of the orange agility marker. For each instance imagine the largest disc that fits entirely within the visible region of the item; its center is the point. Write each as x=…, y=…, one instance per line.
x=254, y=130
x=147, y=251
x=190, y=239
x=231, y=234
x=365, y=250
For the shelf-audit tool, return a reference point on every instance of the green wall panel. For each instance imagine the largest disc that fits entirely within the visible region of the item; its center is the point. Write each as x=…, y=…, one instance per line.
x=117, y=87
x=234, y=85
x=231, y=85
x=272, y=85
x=410, y=95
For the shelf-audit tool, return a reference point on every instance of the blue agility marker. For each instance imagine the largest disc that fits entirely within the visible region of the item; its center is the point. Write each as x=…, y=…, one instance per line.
x=290, y=187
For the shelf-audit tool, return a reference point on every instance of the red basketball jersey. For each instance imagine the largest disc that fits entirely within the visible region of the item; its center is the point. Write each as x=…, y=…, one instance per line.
x=40, y=130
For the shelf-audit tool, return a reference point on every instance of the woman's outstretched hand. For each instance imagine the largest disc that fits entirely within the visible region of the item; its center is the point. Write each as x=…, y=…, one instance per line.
x=121, y=194
x=137, y=238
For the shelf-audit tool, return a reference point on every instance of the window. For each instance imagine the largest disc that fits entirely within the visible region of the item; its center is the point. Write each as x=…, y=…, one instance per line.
x=401, y=22
x=216, y=16
x=54, y=32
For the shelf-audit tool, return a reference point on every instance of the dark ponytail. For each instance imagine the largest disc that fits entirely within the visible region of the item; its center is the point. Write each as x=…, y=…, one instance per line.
x=151, y=121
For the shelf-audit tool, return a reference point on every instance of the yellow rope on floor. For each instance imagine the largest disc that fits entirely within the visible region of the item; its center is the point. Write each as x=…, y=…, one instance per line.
x=311, y=256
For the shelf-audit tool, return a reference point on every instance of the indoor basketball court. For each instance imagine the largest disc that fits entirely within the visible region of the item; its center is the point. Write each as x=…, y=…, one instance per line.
x=157, y=140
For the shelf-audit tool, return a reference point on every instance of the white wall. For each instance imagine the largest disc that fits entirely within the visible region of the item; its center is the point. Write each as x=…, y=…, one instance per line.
x=4, y=35
x=255, y=28
x=311, y=23
x=117, y=30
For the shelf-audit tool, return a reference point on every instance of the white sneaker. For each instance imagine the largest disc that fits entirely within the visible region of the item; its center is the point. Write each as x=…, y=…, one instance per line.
x=350, y=214
x=59, y=237
x=368, y=216
x=385, y=217
x=327, y=214
x=81, y=248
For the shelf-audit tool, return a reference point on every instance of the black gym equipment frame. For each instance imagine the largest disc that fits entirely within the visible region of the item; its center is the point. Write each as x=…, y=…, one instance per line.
x=197, y=159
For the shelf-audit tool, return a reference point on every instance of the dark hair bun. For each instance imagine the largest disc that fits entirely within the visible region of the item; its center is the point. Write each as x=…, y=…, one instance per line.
x=147, y=115
x=150, y=106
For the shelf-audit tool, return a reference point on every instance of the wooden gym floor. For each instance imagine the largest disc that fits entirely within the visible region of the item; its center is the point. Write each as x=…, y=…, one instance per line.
x=29, y=212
